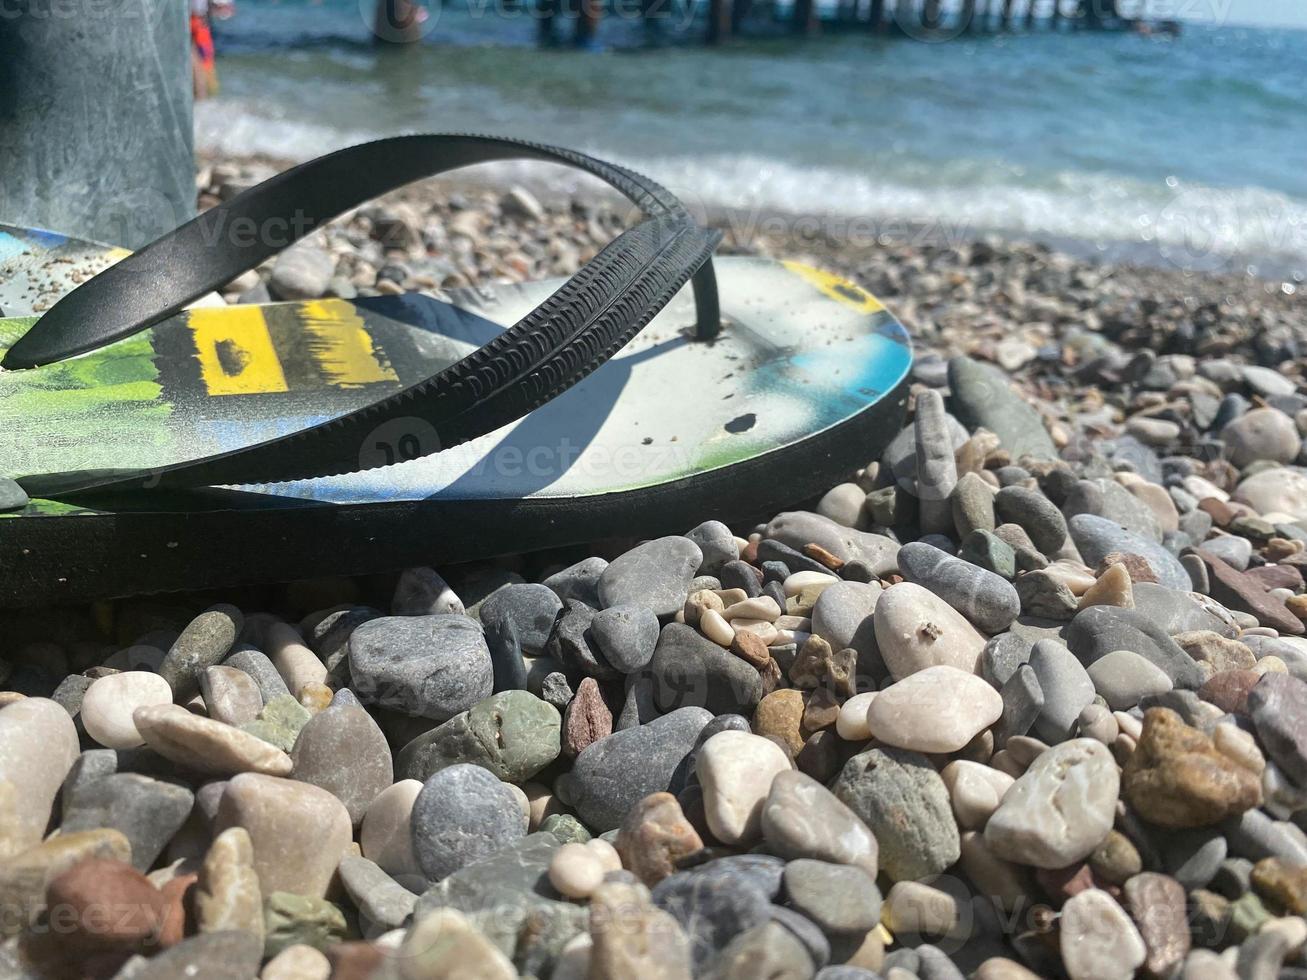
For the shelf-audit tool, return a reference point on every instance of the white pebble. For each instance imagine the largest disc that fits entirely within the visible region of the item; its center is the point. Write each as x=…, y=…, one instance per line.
x=851, y=724
x=109, y=702
x=799, y=581
x=760, y=627
x=576, y=870
x=759, y=607
x=938, y=709
x=716, y=628
x=1098, y=941
x=736, y=770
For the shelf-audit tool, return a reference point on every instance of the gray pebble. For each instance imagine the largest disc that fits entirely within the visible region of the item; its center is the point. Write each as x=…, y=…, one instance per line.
x=1046, y=597
x=717, y=545
x=571, y=643
x=1023, y=703
x=425, y=666
x=1192, y=857
x=12, y=496
x=383, y=903
x=655, y=574
x=462, y=814
x=147, y=811
x=1066, y=687
x=1254, y=835
x=1001, y=657
x=689, y=669
x=1123, y=677
x=638, y=707
x=626, y=636
x=1113, y=502
x=711, y=910
x=1278, y=705
x=770, y=949
x=990, y=552
x=1096, y=538
x=988, y=601
x=1036, y=514
x=983, y=396
x=972, y=502
x=1173, y=611
x=579, y=581
x=741, y=575
x=204, y=642
x=842, y=616
x=900, y=456
x=422, y=592
x=70, y=692
x=555, y=690
x=517, y=620
x=902, y=799
x=255, y=663
x=613, y=774
x=229, y=954
x=1098, y=630
x=936, y=468
x=842, y=900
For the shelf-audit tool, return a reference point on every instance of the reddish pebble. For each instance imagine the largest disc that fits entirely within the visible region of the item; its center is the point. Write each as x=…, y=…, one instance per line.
x=105, y=905
x=1229, y=689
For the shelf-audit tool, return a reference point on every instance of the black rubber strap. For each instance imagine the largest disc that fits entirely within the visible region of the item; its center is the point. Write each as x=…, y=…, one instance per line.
x=217, y=246
x=587, y=320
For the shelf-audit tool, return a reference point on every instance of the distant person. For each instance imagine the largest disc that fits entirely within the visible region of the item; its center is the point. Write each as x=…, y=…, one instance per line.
x=204, y=74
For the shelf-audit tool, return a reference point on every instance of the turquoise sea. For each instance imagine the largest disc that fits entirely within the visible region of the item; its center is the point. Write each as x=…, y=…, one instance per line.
x=1191, y=150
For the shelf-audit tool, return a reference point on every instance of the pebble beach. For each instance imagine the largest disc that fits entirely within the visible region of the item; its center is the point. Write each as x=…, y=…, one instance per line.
x=1023, y=696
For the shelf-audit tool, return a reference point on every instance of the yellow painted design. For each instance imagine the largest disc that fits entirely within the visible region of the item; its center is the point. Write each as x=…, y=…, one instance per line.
x=235, y=351
x=341, y=345
x=836, y=287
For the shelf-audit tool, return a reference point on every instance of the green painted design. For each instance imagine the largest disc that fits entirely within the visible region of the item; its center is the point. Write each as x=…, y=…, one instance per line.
x=114, y=391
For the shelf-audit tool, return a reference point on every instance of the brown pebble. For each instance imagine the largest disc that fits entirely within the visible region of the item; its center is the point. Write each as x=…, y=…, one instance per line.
x=749, y=646
x=654, y=836
x=1281, y=885
x=817, y=553
x=1177, y=778
x=780, y=714
x=174, y=927
x=821, y=711
x=1236, y=590
x=587, y=718
x=1221, y=512
x=1229, y=689
x=105, y=906
x=1157, y=904
x=1277, y=577
x=1277, y=549
x=1297, y=605
x=772, y=676
x=1136, y=565
x=822, y=755
x=355, y=960
x=1116, y=859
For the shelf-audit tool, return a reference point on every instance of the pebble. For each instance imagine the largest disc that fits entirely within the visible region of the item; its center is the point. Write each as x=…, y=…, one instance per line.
x=256, y=665
x=1035, y=514
x=301, y=272
x=716, y=543
x=736, y=769
x=445, y=944
x=148, y=812
x=938, y=709
x=916, y=629
x=1123, y=678
x=1097, y=939
x=1276, y=491
x=1278, y=706
x=108, y=703
x=207, y=746
x=579, y=581
x=1261, y=434
x=843, y=504
x=228, y=895
x=798, y=528
x=655, y=575
x=936, y=467
x=513, y=734
x=851, y=724
x=205, y=641
x=972, y=502
x=975, y=791
x=633, y=938
x=1112, y=588
x=903, y=801
x=914, y=911
x=38, y=746
x=1239, y=591
x=343, y=751
x=1060, y=810
x=298, y=665
x=576, y=870
x=426, y=666
x=1099, y=630
x=297, y=962
x=688, y=669
x=1096, y=538
x=986, y=599
x=841, y=899
x=712, y=909
x=982, y=396
x=654, y=837
x=382, y=902
x=423, y=592
x=801, y=818
x=1066, y=687
x=626, y=636
x=298, y=832
x=463, y=813
x=1158, y=906
x=613, y=774
x=1178, y=778
x=231, y=696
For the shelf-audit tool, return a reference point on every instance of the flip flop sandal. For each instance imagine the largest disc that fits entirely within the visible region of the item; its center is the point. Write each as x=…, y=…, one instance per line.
x=188, y=449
